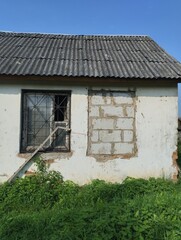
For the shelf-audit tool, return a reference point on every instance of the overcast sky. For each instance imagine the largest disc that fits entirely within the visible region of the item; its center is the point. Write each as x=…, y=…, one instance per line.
x=160, y=19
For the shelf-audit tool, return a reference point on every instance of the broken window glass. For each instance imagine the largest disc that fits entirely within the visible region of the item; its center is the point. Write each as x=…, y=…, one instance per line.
x=42, y=112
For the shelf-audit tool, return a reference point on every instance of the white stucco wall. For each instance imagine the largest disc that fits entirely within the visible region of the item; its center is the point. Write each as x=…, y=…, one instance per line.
x=156, y=135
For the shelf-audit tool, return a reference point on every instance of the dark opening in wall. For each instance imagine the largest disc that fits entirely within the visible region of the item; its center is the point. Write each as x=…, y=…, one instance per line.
x=60, y=108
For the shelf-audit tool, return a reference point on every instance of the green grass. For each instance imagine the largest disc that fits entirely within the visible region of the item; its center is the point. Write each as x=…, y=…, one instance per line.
x=44, y=207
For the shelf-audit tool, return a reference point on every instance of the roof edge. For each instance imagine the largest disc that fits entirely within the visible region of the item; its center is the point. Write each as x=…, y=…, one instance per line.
x=73, y=34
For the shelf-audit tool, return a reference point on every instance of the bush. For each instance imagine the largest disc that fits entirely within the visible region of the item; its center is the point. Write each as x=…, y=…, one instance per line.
x=38, y=191
x=45, y=207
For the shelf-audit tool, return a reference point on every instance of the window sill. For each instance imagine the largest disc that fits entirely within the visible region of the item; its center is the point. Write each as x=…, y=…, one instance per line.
x=48, y=155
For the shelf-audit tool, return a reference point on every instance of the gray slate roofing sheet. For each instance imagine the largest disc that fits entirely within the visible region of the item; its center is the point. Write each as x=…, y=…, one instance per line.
x=83, y=55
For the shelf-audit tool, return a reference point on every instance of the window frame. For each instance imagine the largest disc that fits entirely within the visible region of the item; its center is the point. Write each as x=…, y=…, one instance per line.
x=68, y=135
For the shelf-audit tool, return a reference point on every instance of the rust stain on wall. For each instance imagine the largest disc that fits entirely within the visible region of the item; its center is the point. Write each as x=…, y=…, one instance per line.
x=175, y=165
x=30, y=173
x=49, y=161
x=23, y=155
x=105, y=158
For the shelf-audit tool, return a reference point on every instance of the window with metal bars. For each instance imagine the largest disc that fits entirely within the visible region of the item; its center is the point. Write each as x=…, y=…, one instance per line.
x=42, y=112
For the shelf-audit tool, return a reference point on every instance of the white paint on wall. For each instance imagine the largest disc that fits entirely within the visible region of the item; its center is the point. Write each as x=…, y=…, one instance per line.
x=156, y=135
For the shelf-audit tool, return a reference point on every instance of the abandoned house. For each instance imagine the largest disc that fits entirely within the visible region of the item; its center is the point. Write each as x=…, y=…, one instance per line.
x=92, y=107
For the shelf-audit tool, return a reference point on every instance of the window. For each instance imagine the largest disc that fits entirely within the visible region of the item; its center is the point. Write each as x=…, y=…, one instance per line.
x=42, y=112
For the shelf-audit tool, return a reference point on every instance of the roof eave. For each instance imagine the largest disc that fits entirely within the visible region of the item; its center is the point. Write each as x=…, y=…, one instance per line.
x=87, y=79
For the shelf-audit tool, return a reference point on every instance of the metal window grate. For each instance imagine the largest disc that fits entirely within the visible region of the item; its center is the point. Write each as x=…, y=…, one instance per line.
x=42, y=112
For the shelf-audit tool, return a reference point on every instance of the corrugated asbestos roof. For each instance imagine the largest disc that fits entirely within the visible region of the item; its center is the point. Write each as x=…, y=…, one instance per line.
x=82, y=55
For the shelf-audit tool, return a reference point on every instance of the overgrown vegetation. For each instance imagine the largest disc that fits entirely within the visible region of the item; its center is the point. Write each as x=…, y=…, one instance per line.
x=45, y=207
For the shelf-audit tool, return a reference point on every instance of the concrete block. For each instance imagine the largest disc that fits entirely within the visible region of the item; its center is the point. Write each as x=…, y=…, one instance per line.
x=100, y=148
x=129, y=111
x=123, y=148
x=99, y=99
x=124, y=123
x=114, y=136
x=94, y=111
x=122, y=98
x=95, y=136
x=112, y=111
x=128, y=136
x=103, y=123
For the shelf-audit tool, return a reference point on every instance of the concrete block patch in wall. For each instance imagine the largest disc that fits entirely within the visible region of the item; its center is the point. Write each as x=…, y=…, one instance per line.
x=122, y=98
x=94, y=112
x=99, y=99
x=112, y=111
x=111, y=123
x=123, y=148
x=124, y=123
x=114, y=136
x=101, y=148
x=95, y=136
x=128, y=136
x=103, y=123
